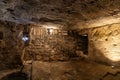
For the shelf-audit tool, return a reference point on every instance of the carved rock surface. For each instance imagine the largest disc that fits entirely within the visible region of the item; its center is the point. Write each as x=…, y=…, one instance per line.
x=70, y=12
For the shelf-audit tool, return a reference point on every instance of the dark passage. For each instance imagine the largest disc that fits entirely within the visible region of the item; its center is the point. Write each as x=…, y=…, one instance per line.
x=1, y=35
x=84, y=43
x=15, y=76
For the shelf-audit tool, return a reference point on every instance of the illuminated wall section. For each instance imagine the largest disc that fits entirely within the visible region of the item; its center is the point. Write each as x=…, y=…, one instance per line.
x=104, y=43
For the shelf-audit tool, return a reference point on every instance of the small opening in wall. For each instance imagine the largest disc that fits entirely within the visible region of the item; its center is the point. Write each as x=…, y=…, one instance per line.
x=84, y=43
x=1, y=35
x=15, y=76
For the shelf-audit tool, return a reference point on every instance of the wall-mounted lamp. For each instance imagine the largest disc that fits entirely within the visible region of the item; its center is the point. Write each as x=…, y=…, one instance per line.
x=25, y=38
x=50, y=31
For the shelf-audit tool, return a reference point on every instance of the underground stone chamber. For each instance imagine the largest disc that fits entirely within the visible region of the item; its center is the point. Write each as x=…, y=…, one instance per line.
x=60, y=39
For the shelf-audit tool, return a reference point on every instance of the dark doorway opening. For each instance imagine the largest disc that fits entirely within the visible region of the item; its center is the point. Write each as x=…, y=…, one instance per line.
x=84, y=43
x=16, y=76
x=1, y=35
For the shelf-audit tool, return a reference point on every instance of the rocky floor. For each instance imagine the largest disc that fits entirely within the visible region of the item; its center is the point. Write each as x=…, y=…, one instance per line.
x=71, y=70
x=65, y=70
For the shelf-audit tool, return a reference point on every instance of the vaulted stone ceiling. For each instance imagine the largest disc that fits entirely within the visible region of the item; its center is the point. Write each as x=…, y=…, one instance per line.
x=73, y=13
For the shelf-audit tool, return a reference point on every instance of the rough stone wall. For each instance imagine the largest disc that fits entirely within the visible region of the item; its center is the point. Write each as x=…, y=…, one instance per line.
x=59, y=46
x=104, y=44
x=10, y=45
x=81, y=12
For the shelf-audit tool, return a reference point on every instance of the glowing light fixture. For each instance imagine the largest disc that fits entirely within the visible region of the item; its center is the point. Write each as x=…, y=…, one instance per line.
x=112, y=66
x=25, y=38
x=51, y=28
x=50, y=31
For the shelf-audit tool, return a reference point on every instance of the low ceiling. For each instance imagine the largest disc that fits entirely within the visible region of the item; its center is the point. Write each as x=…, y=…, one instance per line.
x=75, y=14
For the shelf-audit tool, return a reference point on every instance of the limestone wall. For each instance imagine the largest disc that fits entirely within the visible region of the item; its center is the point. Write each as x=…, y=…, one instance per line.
x=59, y=45
x=10, y=45
x=104, y=44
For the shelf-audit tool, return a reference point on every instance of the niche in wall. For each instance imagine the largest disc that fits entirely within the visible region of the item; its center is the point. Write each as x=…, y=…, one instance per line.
x=83, y=43
x=1, y=35
x=26, y=36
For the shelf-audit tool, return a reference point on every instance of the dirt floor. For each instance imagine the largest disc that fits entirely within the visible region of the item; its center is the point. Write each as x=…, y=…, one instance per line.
x=63, y=70
x=71, y=70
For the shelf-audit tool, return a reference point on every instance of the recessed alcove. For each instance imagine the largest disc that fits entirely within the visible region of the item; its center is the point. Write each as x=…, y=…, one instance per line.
x=16, y=76
x=1, y=35
x=84, y=43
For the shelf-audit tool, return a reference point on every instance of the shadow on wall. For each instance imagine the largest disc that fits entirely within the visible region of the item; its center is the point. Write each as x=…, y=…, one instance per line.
x=15, y=76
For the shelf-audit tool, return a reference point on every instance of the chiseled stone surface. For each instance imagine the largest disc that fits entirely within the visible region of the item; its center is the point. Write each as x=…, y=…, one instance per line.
x=61, y=45
x=10, y=45
x=68, y=12
x=104, y=43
